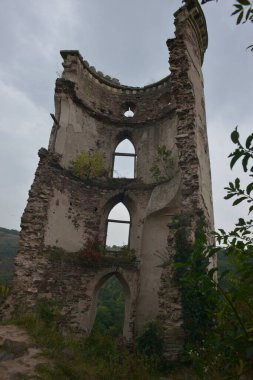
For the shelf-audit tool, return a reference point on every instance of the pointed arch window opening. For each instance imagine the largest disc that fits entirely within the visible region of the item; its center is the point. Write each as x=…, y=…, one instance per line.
x=118, y=228
x=124, y=160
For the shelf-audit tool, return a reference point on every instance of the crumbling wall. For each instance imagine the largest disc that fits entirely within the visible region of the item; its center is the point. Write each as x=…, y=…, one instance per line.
x=64, y=212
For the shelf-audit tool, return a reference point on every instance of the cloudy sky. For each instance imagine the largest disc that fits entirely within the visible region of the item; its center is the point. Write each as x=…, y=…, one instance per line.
x=124, y=39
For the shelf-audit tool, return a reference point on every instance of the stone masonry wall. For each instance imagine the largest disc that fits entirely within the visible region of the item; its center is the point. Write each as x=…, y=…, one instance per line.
x=64, y=212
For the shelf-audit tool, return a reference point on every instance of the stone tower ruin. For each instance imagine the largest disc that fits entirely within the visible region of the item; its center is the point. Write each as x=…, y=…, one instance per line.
x=64, y=212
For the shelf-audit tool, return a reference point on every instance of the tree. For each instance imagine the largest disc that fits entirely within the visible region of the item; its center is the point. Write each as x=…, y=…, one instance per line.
x=225, y=351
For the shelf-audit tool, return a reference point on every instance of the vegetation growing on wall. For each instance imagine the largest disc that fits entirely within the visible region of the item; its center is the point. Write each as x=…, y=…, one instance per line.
x=93, y=250
x=88, y=165
x=161, y=170
x=199, y=299
x=94, y=254
x=150, y=342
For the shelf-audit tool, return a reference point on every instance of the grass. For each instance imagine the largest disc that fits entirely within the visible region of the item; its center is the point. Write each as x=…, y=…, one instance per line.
x=95, y=358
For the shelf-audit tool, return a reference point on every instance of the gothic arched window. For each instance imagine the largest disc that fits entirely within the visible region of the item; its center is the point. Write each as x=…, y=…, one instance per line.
x=118, y=227
x=124, y=165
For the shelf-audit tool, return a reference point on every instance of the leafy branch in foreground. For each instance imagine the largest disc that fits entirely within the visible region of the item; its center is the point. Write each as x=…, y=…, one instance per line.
x=243, y=10
x=241, y=236
x=244, y=152
x=222, y=346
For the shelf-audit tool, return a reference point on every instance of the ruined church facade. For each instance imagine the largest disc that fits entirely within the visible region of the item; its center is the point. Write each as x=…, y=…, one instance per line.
x=64, y=211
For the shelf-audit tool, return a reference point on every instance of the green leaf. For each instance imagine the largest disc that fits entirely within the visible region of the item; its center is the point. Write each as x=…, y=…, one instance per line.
x=249, y=188
x=245, y=162
x=241, y=222
x=239, y=6
x=240, y=245
x=239, y=19
x=243, y=2
x=250, y=209
x=249, y=141
x=236, y=11
x=228, y=196
x=231, y=185
x=224, y=273
x=213, y=251
x=237, y=183
x=239, y=200
x=237, y=155
x=212, y=271
x=235, y=136
x=248, y=14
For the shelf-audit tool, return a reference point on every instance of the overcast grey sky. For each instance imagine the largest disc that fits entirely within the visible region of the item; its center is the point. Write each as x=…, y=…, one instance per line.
x=124, y=39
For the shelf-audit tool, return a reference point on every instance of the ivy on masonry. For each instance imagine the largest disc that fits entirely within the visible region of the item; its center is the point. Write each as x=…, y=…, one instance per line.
x=161, y=170
x=195, y=282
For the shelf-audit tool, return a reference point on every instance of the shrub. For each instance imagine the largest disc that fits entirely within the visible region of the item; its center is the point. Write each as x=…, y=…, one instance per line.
x=48, y=311
x=129, y=253
x=88, y=165
x=93, y=250
x=150, y=342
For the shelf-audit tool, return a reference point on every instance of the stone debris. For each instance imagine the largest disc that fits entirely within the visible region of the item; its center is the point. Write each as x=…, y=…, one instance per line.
x=19, y=355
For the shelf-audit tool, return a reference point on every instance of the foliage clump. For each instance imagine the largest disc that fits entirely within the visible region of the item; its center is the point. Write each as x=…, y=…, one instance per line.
x=88, y=165
x=128, y=253
x=221, y=314
x=150, y=342
x=95, y=254
x=161, y=170
x=199, y=298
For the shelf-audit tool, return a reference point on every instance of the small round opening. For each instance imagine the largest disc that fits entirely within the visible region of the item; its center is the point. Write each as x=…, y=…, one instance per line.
x=129, y=113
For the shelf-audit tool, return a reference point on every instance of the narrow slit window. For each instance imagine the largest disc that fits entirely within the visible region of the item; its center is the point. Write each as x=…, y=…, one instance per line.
x=124, y=160
x=118, y=228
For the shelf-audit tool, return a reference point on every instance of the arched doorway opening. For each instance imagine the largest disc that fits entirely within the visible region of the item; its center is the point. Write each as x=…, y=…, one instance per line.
x=117, y=283
x=110, y=313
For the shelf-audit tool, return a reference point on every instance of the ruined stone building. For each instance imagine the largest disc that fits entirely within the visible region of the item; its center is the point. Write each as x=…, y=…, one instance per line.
x=92, y=115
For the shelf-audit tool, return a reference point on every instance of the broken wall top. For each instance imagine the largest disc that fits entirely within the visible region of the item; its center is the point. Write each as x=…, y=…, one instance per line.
x=105, y=98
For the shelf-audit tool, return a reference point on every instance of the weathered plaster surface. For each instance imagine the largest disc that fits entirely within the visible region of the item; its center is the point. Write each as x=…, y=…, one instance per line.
x=64, y=211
